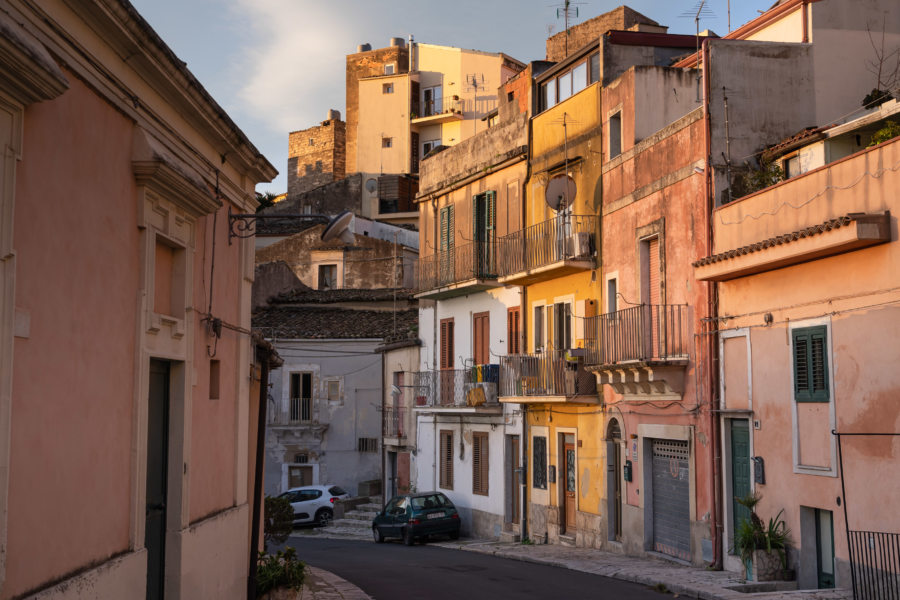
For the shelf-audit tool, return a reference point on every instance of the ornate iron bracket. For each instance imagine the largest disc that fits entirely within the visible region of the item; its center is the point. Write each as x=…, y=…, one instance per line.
x=243, y=225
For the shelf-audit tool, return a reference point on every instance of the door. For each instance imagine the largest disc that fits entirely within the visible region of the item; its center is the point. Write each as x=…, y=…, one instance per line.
x=825, y=548
x=484, y=232
x=299, y=476
x=614, y=481
x=671, y=498
x=392, y=470
x=651, y=296
x=513, y=479
x=157, y=476
x=569, y=482
x=740, y=470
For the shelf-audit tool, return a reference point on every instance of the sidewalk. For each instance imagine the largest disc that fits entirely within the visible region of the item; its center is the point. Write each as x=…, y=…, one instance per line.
x=324, y=585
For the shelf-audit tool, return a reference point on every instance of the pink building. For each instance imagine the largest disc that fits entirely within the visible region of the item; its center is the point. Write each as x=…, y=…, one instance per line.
x=125, y=384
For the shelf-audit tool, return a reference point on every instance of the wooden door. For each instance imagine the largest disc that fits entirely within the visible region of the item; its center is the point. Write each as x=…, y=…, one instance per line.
x=157, y=478
x=740, y=470
x=514, y=479
x=481, y=333
x=569, y=483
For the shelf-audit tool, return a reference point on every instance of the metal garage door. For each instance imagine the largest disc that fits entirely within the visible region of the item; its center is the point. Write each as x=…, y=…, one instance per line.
x=671, y=498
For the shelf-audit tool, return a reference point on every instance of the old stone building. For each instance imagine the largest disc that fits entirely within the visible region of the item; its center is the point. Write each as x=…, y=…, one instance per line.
x=316, y=156
x=564, y=43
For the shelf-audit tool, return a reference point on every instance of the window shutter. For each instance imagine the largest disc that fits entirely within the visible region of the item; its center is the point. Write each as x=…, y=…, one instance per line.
x=446, y=462
x=810, y=365
x=480, y=463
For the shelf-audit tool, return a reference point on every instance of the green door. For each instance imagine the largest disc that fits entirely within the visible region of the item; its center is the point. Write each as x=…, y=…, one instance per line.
x=740, y=469
x=825, y=548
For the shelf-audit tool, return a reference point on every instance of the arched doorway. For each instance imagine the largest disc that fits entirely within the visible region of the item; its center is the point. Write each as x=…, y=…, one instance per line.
x=614, y=480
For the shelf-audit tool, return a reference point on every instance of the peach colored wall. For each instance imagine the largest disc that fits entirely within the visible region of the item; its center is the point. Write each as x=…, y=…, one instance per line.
x=736, y=376
x=213, y=421
x=73, y=380
x=162, y=279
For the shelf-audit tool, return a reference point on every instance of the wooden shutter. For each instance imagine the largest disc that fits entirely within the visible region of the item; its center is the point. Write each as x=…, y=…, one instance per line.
x=447, y=230
x=481, y=338
x=538, y=328
x=446, y=459
x=446, y=343
x=653, y=270
x=810, y=365
x=513, y=331
x=480, y=463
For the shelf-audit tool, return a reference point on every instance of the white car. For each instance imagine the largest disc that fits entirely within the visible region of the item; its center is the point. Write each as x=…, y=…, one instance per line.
x=314, y=503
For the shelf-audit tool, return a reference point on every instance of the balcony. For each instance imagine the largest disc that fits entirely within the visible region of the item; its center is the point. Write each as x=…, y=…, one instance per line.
x=438, y=110
x=642, y=351
x=297, y=414
x=552, y=376
x=472, y=390
x=397, y=425
x=458, y=271
x=554, y=248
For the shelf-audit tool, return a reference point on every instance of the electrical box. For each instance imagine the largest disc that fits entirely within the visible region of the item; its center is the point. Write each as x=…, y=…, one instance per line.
x=759, y=470
x=627, y=470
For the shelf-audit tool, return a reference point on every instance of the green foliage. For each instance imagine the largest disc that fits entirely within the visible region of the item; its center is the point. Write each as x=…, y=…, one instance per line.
x=754, y=534
x=876, y=98
x=526, y=541
x=282, y=569
x=279, y=520
x=890, y=130
x=754, y=180
x=265, y=200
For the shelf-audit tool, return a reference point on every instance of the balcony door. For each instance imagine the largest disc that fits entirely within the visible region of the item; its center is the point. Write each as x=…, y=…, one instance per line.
x=446, y=387
x=447, y=264
x=300, y=401
x=484, y=213
x=432, y=101
x=651, y=294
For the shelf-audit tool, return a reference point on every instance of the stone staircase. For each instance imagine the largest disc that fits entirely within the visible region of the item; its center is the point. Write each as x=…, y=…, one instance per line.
x=358, y=521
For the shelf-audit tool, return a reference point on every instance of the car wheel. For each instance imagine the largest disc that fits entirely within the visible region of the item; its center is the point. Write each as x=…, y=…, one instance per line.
x=408, y=537
x=376, y=533
x=323, y=517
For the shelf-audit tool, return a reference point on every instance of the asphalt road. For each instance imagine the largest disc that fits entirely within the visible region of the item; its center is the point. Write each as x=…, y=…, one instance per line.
x=391, y=570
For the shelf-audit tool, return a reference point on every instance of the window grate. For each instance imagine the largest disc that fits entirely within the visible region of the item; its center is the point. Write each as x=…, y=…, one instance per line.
x=367, y=444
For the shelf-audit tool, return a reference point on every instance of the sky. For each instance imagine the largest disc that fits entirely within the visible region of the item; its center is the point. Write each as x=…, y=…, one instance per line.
x=278, y=66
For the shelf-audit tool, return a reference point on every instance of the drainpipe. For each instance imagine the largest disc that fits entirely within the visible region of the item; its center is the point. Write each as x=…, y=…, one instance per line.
x=712, y=347
x=383, y=420
x=258, y=471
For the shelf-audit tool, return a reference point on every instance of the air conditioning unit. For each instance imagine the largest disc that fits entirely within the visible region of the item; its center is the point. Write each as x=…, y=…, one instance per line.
x=578, y=245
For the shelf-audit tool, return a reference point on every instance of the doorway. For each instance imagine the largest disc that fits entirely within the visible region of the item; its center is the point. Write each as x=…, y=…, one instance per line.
x=513, y=479
x=614, y=480
x=740, y=471
x=157, y=477
x=567, y=470
x=824, y=548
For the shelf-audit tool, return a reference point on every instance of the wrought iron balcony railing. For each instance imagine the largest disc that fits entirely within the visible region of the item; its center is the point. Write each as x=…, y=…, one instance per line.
x=397, y=421
x=644, y=333
x=476, y=260
x=450, y=388
x=549, y=373
x=565, y=237
x=436, y=106
x=297, y=411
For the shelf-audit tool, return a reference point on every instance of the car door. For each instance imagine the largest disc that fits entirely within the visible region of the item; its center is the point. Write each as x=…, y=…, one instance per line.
x=307, y=504
x=385, y=521
x=400, y=516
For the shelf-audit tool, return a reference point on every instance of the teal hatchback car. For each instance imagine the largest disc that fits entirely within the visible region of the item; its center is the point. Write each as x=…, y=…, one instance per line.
x=414, y=517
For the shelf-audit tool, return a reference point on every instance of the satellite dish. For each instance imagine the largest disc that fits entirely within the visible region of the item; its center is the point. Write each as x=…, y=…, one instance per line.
x=339, y=227
x=560, y=191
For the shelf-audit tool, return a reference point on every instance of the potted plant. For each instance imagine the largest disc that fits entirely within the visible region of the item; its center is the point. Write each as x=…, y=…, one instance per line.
x=762, y=546
x=279, y=576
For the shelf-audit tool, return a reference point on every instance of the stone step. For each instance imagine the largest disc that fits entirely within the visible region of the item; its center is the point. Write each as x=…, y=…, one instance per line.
x=360, y=515
x=351, y=524
x=370, y=507
x=509, y=536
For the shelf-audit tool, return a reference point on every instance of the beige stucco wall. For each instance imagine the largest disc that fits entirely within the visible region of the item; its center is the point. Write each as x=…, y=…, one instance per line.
x=383, y=115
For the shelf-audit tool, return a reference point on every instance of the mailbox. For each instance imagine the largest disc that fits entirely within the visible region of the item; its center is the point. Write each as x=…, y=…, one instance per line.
x=759, y=470
x=627, y=470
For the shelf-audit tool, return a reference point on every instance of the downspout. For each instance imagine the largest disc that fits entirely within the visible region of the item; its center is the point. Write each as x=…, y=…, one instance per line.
x=258, y=470
x=434, y=316
x=525, y=446
x=384, y=489
x=712, y=347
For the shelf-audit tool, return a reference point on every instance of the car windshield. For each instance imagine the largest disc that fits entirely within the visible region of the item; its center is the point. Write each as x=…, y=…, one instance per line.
x=336, y=491
x=431, y=501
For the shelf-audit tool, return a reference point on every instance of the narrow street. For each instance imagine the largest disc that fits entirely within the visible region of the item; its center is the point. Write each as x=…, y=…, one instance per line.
x=392, y=570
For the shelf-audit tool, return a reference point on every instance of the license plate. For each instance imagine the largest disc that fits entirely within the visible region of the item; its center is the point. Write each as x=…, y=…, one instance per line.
x=437, y=515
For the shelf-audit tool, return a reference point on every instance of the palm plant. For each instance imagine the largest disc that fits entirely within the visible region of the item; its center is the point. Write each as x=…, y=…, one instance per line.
x=754, y=534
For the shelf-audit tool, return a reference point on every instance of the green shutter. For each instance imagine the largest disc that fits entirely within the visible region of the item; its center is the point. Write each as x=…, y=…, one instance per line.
x=810, y=364
x=446, y=228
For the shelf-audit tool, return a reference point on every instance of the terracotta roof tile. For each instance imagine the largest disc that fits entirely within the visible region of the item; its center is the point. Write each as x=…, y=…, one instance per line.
x=295, y=322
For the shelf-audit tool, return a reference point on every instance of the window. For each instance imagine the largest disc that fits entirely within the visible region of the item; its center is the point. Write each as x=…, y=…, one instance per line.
x=481, y=334
x=301, y=458
x=312, y=141
x=389, y=69
x=539, y=462
x=367, y=445
x=548, y=94
x=447, y=228
x=579, y=77
x=387, y=88
x=480, y=463
x=615, y=135
x=334, y=389
x=387, y=142
x=564, y=86
x=301, y=397
x=594, y=63
x=510, y=96
x=432, y=101
x=560, y=333
x=513, y=331
x=429, y=146
x=213, y=380
x=612, y=294
x=446, y=343
x=810, y=364
x=484, y=228
x=327, y=277
x=538, y=328
x=446, y=459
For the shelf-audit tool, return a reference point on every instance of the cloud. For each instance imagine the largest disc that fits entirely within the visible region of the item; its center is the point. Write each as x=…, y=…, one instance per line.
x=291, y=67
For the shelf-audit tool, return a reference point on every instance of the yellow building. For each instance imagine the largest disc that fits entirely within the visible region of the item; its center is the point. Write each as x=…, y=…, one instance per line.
x=554, y=258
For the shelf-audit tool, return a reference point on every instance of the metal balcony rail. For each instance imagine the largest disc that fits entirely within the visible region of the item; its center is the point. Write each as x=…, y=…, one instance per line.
x=453, y=387
x=875, y=564
x=549, y=373
x=297, y=411
x=561, y=238
x=436, y=106
x=644, y=333
x=476, y=260
x=396, y=421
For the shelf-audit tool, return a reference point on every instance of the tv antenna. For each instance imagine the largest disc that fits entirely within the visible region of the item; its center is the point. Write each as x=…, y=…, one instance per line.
x=566, y=11
x=475, y=83
x=700, y=10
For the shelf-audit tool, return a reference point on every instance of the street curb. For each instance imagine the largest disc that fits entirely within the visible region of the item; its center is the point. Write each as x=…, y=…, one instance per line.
x=325, y=585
